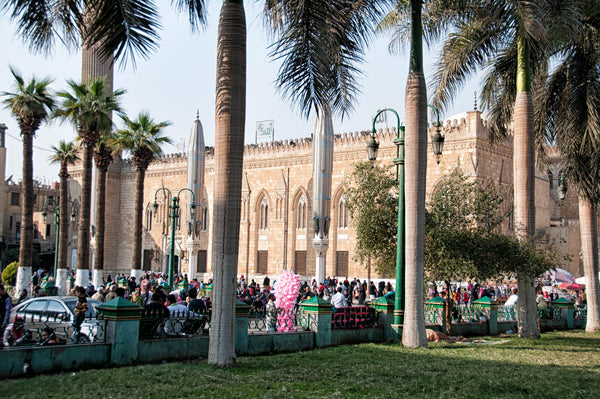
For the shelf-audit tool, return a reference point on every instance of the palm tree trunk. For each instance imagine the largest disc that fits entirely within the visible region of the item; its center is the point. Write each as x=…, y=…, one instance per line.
x=524, y=180
x=230, y=114
x=413, y=334
x=588, y=225
x=136, y=261
x=100, y=227
x=83, y=238
x=65, y=218
x=26, y=243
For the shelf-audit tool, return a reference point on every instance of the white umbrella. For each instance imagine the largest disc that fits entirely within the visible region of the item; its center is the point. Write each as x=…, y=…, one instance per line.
x=561, y=275
x=582, y=280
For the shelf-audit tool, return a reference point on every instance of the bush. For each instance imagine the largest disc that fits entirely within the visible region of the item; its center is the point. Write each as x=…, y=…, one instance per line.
x=9, y=275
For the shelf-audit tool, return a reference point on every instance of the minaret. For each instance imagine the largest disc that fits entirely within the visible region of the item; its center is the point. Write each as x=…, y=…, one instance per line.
x=195, y=182
x=322, y=168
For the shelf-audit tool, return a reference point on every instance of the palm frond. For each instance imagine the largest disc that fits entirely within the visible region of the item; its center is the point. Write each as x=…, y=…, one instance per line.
x=195, y=9
x=124, y=28
x=41, y=22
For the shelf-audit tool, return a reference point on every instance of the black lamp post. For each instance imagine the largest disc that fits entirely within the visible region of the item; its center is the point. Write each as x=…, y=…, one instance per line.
x=372, y=148
x=52, y=203
x=437, y=140
x=174, y=216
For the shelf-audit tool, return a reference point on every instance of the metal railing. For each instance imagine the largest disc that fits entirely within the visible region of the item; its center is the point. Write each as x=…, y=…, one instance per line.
x=354, y=317
x=55, y=330
x=277, y=320
x=158, y=324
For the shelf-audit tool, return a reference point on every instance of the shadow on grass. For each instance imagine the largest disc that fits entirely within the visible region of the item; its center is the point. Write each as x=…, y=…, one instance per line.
x=516, y=369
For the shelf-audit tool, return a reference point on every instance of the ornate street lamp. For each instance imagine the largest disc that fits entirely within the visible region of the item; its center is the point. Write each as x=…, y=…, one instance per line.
x=174, y=216
x=437, y=140
x=372, y=148
x=562, y=188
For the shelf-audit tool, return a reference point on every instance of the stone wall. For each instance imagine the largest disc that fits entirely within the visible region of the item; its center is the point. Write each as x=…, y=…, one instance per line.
x=279, y=175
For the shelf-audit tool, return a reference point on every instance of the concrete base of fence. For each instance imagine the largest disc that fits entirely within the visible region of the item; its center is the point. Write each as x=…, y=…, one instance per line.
x=280, y=342
x=321, y=310
x=52, y=358
x=172, y=348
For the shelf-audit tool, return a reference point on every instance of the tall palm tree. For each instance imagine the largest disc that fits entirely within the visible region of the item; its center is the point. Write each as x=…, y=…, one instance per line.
x=143, y=139
x=103, y=157
x=31, y=103
x=66, y=154
x=230, y=115
x=413, y=334
x=89, y=109
x=509, y=39
x=571, y=100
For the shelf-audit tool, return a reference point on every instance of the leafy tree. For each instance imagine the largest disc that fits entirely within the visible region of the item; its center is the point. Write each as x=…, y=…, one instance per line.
x=31, y=104
x=462, y=237
x=373, y=207
x=9, y=274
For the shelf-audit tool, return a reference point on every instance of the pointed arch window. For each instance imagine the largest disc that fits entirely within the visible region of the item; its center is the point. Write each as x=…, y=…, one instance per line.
x=343, y=217
x=263, y=220
x=149, y=214
x=301, y=213
x=204, y=216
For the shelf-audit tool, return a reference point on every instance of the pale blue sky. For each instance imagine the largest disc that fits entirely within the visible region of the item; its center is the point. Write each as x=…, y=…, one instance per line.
x=179, y=79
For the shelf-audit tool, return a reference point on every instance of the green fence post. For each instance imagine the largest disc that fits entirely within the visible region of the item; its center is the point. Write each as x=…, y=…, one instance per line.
x=122, y=329
x=242, y=310
x=385, y=316
x=438, y=304
x=567, y=307
x=487, y=303
x=320, y=314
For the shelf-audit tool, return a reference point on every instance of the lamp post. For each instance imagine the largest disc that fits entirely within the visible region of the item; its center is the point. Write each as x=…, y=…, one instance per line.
x=562, y=187
x=50, y=202
x=372, y=148
x=174, y=216
x=437, y=140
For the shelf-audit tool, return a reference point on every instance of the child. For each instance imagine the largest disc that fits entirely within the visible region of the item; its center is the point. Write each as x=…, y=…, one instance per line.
x=81, y=308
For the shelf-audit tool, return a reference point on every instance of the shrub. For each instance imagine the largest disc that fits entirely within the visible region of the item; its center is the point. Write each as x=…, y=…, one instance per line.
x=9, y=275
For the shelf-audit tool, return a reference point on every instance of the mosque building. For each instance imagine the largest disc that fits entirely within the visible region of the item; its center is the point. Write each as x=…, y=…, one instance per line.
x=276, y=224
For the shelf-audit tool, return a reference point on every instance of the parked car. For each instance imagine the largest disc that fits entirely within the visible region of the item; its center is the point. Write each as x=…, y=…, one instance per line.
x=57, y=312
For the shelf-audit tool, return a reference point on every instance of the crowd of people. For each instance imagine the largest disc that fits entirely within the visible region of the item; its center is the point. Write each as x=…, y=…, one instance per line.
x=149, y=293
x=339, y=293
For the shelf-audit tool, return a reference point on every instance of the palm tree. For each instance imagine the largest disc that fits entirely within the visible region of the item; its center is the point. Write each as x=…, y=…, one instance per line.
x=230, y=114
x=89, y=109
x=571, y=97
x=103, y=157
x=143, y=138
x=31, y=103
x=414, y=186
x=66, y=154
x=507, y=38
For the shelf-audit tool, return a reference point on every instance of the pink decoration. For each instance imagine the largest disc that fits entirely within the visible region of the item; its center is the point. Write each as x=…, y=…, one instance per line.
x=286, y=291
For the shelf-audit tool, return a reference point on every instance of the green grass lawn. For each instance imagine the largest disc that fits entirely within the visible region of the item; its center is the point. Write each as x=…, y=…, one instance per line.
x=559, y=365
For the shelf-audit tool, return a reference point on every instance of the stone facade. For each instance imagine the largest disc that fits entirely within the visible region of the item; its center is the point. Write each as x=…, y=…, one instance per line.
x=276, y=216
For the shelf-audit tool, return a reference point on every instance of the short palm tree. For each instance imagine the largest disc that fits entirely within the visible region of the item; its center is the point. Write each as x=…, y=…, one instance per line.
x=143, y=139
x=571, y=103
x=89, y=109
x=103, y=156
x=65, y=154
x=31, y=103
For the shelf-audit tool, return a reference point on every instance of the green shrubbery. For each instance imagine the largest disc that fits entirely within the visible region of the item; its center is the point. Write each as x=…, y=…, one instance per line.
x=9, y=275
